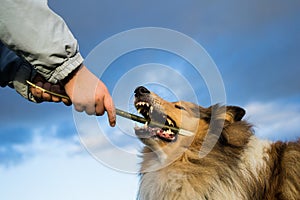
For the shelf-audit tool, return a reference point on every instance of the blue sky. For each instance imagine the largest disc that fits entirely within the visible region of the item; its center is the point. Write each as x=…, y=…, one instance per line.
x=255, y=45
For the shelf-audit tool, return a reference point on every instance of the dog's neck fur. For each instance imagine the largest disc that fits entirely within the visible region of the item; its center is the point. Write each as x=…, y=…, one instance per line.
x=242, y=174
x=238, y=166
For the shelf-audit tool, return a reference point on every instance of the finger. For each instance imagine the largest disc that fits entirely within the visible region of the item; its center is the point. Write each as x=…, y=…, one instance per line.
x=45, y=95
x=90, y=109
x=55, y=89
x=79, y=107
x=110, y=109
x=38, y=78
x=37, y=92
x=33, y=91
x=67, y=102
x=99, y=108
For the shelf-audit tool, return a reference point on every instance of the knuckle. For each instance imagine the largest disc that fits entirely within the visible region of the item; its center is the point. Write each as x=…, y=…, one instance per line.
x=100, y=113
x=90, y=111
x=79, y=107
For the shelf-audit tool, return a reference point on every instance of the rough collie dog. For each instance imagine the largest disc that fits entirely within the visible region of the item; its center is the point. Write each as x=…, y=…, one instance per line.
x=235, y=164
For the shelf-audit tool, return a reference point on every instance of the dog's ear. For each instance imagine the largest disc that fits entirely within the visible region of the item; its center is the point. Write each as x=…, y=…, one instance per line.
x=234, y=113
x=236, y=134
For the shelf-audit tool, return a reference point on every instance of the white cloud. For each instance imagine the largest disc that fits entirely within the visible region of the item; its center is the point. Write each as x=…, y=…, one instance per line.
x=109, y=146
x=62, y=169
x=274, y=120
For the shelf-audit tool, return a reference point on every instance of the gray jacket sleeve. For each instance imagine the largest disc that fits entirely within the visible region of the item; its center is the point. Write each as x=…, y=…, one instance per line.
x=14, y=71
x=35, y=32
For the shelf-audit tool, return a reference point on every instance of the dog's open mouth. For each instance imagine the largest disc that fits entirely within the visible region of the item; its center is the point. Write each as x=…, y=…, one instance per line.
x=150, y=130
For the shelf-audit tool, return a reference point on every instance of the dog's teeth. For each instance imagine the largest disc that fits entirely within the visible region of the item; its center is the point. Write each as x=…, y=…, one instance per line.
x=147, y=104
x=169, y=121
x=139, y=110
x=146, y=124
x=140, y=103
x=151, y=109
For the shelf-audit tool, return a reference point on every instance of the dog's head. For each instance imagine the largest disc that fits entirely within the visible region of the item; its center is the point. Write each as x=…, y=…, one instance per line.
x=187, y=116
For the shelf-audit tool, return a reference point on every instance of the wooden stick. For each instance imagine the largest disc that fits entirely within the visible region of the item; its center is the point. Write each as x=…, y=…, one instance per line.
x=47, y=91
x=123, y=114
x=143, y=120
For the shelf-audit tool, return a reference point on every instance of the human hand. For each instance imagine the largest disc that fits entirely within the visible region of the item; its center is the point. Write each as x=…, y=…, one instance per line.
x=89, y=94
x=41, y=96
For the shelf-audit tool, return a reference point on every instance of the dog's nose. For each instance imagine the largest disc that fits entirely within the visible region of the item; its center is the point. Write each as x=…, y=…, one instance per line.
x=141, y=90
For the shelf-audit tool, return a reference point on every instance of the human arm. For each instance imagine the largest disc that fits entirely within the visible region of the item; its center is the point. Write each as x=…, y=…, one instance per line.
x=36, y=33
x=90, y=94
x=15, y=71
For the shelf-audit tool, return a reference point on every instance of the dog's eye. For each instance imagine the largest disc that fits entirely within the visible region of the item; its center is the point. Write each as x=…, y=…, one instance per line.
x=179, y=107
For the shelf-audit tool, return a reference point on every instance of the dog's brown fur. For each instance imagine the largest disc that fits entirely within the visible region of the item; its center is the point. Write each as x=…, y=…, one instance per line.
x=239, y=166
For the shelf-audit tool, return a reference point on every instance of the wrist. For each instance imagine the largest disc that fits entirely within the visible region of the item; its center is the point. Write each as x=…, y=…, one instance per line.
x=71, y=76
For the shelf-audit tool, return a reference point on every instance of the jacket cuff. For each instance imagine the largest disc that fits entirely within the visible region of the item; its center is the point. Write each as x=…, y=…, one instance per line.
x=25, y=72
x=61, y=72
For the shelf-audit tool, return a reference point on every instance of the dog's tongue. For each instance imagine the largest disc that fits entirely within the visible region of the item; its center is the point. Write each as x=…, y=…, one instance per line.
x=145, y=132
x=168, y=135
